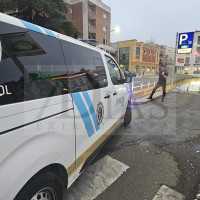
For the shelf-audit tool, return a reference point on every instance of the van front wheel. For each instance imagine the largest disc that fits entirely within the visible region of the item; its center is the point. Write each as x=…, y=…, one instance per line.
x=44, y=186
x=128, y=116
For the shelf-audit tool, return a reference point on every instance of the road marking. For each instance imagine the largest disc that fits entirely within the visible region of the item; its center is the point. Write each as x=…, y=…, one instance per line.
x=95, y=179
x=165, y=193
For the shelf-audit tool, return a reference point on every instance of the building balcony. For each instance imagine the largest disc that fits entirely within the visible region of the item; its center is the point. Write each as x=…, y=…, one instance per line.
x=170, y=63
x=92, y=29
x=92, y=15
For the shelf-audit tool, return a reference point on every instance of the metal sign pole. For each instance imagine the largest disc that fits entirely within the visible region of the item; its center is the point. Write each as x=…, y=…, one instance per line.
x=175, y=52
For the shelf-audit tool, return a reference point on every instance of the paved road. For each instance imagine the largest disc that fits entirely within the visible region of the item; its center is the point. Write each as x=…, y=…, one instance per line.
x=161, y=147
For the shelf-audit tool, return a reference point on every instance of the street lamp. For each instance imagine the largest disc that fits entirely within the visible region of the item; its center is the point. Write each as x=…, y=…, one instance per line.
x=116, y=30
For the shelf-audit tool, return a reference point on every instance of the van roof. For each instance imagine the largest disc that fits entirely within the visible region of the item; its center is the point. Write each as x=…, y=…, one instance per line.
x=33, y=27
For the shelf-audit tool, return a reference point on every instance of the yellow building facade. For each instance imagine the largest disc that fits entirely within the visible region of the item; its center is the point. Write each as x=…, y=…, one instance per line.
x=138, y=56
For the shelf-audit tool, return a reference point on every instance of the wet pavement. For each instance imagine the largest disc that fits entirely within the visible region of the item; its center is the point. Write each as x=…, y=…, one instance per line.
x=161, y=147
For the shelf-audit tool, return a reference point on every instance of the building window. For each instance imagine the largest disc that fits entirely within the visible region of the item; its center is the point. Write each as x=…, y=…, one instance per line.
x=104, y=41
x=144, y=52
x=69, y=10
x=198, y=41
x=198, y=50
x=149, y=52
x=187, y=60
x=153, y=69
x=197, y=60
x=143, y=69
x=137, y=51
x=104, y=15
x=124, y=57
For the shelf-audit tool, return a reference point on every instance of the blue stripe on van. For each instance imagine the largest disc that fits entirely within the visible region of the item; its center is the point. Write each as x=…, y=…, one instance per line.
x=31, y=27
x=92, y=110
x=84, y=113
x=49, y=32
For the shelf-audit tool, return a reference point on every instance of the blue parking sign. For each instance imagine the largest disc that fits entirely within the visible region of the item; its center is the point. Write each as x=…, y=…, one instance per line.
x=185, y=42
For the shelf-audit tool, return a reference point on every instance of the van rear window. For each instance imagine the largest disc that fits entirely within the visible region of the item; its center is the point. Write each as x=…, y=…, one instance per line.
x=29, y=62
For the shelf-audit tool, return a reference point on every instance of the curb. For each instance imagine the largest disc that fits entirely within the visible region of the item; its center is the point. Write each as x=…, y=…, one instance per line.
x=145, y=101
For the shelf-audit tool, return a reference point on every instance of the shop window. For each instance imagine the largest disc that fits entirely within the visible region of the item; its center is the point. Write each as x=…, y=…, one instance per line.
x=148, y=69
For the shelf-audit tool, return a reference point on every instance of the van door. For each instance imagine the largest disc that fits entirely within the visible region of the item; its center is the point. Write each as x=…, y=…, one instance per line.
x=119, y=93
x=88, y=86
x=36, y=116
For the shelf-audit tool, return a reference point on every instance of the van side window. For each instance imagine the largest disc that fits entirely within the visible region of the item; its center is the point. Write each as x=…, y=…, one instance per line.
x=36, y=60
x=86, y=70
x=13, y=88
x=115, y=73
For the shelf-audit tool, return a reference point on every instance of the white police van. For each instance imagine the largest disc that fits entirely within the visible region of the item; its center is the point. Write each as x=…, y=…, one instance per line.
x=60, y=100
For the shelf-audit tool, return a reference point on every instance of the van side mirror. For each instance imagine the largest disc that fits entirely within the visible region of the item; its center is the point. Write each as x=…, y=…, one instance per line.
x=128, y=79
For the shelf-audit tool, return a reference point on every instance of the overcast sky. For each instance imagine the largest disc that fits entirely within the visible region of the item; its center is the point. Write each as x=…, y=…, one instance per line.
x=158, y=19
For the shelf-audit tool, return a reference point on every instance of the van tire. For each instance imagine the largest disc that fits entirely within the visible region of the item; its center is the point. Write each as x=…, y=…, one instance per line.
x=41, y=181
x=128, y=116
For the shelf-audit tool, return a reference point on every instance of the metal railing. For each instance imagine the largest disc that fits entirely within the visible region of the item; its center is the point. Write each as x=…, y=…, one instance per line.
x=140, y=83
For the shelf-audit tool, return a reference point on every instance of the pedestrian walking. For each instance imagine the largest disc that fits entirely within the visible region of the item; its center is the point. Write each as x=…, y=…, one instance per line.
x=163, y=75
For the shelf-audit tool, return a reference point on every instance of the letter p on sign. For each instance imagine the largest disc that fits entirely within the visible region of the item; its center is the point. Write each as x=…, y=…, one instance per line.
x=183, y=37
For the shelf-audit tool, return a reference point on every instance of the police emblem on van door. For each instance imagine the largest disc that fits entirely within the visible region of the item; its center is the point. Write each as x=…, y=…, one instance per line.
x=100, y=113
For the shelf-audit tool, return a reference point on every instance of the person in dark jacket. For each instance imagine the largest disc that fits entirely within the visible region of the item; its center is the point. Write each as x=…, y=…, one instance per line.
x=163, y=75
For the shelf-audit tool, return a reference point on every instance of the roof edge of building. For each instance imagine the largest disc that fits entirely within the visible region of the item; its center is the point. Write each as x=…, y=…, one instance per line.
x=72, y=1
x=96, y=2
x=101, y=4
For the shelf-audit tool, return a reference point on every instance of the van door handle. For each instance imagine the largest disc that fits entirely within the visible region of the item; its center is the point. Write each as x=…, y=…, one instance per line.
x=107, y=96
x=115, y=93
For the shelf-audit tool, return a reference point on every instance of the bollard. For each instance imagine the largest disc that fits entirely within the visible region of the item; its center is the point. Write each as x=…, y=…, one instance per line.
x=142, y=81
x=132, y=84
x=149, y=83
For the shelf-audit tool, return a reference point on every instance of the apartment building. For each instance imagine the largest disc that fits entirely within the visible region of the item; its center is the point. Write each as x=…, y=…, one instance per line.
x=170, y=59
x=138, y=56
x=162, y=59
x=92, y=17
